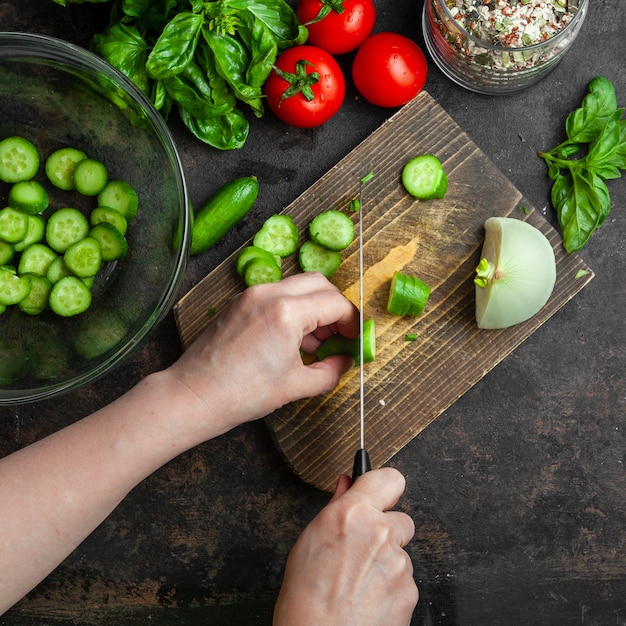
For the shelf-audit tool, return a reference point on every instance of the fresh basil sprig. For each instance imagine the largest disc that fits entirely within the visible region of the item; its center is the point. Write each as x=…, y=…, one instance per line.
x=202, y=57
x=579, y=193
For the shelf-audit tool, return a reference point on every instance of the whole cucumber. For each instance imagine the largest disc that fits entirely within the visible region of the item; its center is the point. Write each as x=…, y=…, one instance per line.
x=229, y=204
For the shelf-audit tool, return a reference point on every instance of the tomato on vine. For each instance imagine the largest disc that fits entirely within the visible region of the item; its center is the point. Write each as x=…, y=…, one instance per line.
x=337, y=26
x=389, y=69
x=306, y=87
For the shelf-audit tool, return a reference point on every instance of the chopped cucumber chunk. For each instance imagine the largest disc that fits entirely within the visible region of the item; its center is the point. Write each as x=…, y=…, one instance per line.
x=424, y=178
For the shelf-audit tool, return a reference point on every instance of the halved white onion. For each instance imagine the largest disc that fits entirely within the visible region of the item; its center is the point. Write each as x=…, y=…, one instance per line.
x=516, y=274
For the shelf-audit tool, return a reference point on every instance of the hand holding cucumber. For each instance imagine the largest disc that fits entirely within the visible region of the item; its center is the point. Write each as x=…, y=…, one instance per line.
x=250, y=356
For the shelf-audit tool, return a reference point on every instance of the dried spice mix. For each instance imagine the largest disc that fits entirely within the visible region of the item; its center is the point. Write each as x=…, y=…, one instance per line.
x=511, y=23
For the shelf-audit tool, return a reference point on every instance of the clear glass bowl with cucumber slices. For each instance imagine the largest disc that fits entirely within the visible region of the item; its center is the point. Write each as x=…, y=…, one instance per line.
x=94, y=218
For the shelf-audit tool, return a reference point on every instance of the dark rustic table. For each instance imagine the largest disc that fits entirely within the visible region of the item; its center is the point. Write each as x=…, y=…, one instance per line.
x=517, y=490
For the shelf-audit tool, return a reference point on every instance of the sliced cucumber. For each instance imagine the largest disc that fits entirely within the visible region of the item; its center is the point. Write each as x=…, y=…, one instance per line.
x=13, y=225
x=90, y=177
x=13, y=288
x=112, y=216
x=36, y=259
x=69, y=296
x=112, y=243
x=35, y=231
x=121, y=196
x=60, y=167
x=84, y=258
x=65, y=227
x=253, y=252
x=424, y=178
x=278, y=235
x=37, y=299
x=332, y=229
x=19, y=159
x=7, y=251
x=261, y=270
x=28, y=196
x=57, y=270
x=315, y=258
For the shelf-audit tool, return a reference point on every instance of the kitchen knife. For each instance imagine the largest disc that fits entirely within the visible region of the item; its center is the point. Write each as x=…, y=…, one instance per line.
x=361, y=458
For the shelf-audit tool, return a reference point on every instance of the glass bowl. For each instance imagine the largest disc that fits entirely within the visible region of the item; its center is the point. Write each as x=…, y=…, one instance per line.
x=55, y=95
x=483, y=63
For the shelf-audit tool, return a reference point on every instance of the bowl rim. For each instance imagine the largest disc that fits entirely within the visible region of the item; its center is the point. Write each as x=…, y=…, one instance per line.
x=36, y=46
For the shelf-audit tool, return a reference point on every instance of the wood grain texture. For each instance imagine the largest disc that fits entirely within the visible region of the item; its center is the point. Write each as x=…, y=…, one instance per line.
x=411, y=382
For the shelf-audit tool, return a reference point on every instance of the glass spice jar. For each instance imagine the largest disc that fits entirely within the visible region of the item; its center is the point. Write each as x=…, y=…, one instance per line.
x=500, y=46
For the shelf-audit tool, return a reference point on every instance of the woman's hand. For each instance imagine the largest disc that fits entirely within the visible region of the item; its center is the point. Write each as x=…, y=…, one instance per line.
x=248, y=362
x=349, y=565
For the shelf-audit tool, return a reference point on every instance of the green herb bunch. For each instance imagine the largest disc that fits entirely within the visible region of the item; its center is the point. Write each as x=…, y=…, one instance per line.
x=204, y=58
x=596, y=135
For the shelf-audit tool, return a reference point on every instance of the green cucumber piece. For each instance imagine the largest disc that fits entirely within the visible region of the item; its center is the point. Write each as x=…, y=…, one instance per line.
x=57, y=270
x=35, y=232
x=13, y=287
x=112, y=243
x=253, y=252
x=315, y=258
x=332, y=229
x=19, y=159
x=90, y=177
x=338, y=344
x=65, y=227
x=424, y=178
x=99, y=331
x=225, y=208
x=112, y=216
x=408, y=295
x=84, y=258
x=60, y=167
x=28, y=196
x=260, y=270
x=121, y=196
x=36, y=259
x=278, y=235
x=13, y=225
x=7, y=251
x=69, y=296
x=37, y=299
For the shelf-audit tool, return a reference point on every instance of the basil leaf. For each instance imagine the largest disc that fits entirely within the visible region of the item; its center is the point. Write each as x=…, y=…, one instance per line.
x=175, y=46
x=262, y=46
x=585, y=123
x=581, y=208
x=226, y=132
x=280, y=18
x=231, y=61
x=124, y=48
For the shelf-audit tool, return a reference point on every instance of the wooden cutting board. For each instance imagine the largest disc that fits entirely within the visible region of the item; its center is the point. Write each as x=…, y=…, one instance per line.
x=411, y=382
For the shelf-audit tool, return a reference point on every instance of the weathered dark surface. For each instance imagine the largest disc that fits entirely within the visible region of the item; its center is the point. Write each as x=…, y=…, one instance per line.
x=517, y=490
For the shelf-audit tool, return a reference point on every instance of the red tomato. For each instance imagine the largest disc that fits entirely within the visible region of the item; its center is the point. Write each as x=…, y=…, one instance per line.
x=286, y=93
x=389, y=69
x=338, y=33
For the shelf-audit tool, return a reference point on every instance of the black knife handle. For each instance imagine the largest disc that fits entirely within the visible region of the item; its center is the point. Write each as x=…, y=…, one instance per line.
x=361, y=463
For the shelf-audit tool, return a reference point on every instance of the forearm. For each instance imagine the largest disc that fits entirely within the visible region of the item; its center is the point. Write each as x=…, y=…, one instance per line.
x=57, y=491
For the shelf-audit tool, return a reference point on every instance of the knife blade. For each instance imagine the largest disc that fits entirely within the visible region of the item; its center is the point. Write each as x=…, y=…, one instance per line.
x=361, y=458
